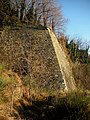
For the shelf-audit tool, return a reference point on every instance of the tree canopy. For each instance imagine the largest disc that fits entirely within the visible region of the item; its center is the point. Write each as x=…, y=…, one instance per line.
x=44, y=12
x=5, y=12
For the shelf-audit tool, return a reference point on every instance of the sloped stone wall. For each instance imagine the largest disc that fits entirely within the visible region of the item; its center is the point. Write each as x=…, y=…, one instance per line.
x=31, y=51
x=45, y=70
x=64, y=63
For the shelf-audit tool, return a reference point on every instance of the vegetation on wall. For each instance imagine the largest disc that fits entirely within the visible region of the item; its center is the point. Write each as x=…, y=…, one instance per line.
x=33, y=12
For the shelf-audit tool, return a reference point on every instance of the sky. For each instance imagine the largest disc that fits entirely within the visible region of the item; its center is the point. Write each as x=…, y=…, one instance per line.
x=78, y=14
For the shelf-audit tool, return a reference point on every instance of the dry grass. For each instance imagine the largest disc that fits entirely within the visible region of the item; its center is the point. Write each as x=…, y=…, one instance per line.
x=82, y=75
x=74, y=106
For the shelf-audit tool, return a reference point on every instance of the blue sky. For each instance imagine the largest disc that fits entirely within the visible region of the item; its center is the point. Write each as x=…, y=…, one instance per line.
x=78, y=14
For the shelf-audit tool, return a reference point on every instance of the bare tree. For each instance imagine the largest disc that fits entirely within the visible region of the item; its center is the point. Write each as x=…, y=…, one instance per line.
x=48, y=13
x=45, y=12
x=20, y=7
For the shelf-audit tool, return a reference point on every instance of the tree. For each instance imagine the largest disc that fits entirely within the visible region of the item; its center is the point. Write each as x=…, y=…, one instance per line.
x=77, y=52
x=46, y=13
x=30, y=14
x=22, y=10
x=73, y=50
x=15, y=4
x=19, y=7
x=5, y=12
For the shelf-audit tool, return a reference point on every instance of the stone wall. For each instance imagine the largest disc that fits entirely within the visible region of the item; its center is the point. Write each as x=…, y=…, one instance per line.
x=30, y=51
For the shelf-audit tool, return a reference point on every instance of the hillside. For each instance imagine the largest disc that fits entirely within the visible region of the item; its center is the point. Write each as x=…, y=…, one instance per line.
x=38, y=70
x=29, y=51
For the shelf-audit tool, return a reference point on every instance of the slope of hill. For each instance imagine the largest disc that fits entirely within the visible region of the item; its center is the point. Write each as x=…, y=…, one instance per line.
x=33, y=56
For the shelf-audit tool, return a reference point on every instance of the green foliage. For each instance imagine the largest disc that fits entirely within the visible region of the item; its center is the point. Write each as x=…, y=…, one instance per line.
x=77, y=54
x=2, y=67
x=73, y=50
x=2, y=84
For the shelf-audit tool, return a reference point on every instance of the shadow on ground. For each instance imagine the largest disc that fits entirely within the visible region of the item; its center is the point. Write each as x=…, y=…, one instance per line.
x=67, y=108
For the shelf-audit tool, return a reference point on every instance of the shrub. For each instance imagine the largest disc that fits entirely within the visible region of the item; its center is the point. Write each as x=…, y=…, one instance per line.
x=74, y=106
x=2, y=84
x=2, y=67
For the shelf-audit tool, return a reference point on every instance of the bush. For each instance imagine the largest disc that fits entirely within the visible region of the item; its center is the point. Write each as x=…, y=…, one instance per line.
x=2, y=84
x=2, y=67
x=74, y=106
x=3, y=98
x=82, y=75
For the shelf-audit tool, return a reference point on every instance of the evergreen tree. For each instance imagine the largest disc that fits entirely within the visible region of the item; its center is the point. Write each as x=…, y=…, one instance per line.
x=73, y=50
